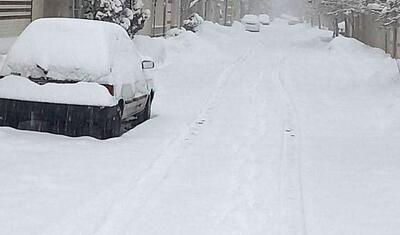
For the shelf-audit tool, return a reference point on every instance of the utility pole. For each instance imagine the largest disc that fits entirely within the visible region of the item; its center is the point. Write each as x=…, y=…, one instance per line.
x=154, y=18
x=226, y=13
x=396, y=25
x=164, y=17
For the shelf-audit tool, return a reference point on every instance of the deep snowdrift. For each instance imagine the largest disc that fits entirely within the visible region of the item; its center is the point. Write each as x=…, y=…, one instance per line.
x=5, y=44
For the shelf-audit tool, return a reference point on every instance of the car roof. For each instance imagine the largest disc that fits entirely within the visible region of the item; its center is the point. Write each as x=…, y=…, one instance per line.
x=250, y=18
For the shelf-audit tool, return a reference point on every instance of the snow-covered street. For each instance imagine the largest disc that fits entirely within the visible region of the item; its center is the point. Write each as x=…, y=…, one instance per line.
x=279, y=132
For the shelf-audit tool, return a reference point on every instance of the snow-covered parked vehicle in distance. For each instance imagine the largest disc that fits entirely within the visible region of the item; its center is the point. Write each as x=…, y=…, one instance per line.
x=264, y=19
x=74, y=77
x=251, y=23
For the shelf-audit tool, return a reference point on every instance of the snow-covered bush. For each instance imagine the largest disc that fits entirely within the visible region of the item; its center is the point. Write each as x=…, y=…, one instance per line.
x=193, y=22
x=127, y=13
x=175, y=32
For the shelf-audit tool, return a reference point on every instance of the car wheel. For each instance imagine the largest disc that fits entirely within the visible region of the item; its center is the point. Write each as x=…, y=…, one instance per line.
x=114, y=126
x=147, y=110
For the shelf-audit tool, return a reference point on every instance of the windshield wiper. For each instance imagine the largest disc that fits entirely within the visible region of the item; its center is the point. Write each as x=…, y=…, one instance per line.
x=45, y=71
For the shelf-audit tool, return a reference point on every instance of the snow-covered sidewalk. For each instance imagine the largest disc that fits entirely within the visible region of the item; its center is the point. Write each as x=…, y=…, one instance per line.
x=281, y=132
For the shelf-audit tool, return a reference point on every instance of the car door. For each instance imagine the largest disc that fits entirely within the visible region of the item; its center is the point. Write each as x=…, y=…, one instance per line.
x=141, y=93
x=128, y=96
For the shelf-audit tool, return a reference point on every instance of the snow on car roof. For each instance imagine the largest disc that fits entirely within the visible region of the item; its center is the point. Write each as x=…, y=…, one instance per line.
x=250, y=19
x=67, y=49
x=263, y=16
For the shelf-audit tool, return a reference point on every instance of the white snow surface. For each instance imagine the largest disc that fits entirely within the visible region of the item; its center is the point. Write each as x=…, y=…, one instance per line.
x=74, y=49
x=2, y=58
x=153, y=48
x=81, y=93
x=5, y=44
x=277, y=132
x=264, y=19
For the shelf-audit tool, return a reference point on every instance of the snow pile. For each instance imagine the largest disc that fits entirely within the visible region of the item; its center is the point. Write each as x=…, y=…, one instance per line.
x=193, y=22
x=5, y=44
x=81, y=93
x=347, y=44
x=264, y=19
x=206, y=42
x=2, y=59
x=73, y=49
x=289, y=17
x=250, y=19
x=343, y=45
x=151, y=47
x=175, y=32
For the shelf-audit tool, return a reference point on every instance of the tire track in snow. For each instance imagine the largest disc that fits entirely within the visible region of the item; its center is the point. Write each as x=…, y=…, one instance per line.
x=293, y=216
x=134, y=199
x=292, y=202
x=239, y=184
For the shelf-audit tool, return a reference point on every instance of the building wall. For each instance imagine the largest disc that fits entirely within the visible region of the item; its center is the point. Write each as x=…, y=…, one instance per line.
x=12, y=28
x=175, y=13
x=223, y=12
x=14, y=16
x=187, y=9
x=58, y=8
x=161, y=19
x=37, y=9
x=165, y=14
x=215, y=11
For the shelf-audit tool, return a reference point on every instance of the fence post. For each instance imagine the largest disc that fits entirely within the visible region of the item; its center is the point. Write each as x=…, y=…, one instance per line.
x=395, y=39
x=319, y=21
x=353, y=24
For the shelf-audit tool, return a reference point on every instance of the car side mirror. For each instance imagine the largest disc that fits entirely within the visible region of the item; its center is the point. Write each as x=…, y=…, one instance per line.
x=147, y=64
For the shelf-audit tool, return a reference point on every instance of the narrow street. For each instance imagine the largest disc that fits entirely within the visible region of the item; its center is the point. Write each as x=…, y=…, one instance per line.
x=279, y=132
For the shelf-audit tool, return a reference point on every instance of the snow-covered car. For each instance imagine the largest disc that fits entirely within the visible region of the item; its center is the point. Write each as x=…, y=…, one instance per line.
x=251, y=23
x=264, y=19
x=74, y=77
x=294, y=21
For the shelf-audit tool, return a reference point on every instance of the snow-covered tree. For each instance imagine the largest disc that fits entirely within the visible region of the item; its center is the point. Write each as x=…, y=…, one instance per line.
x=338, y=9
x=193, y=22
x=390, y=13
x=127, y=13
